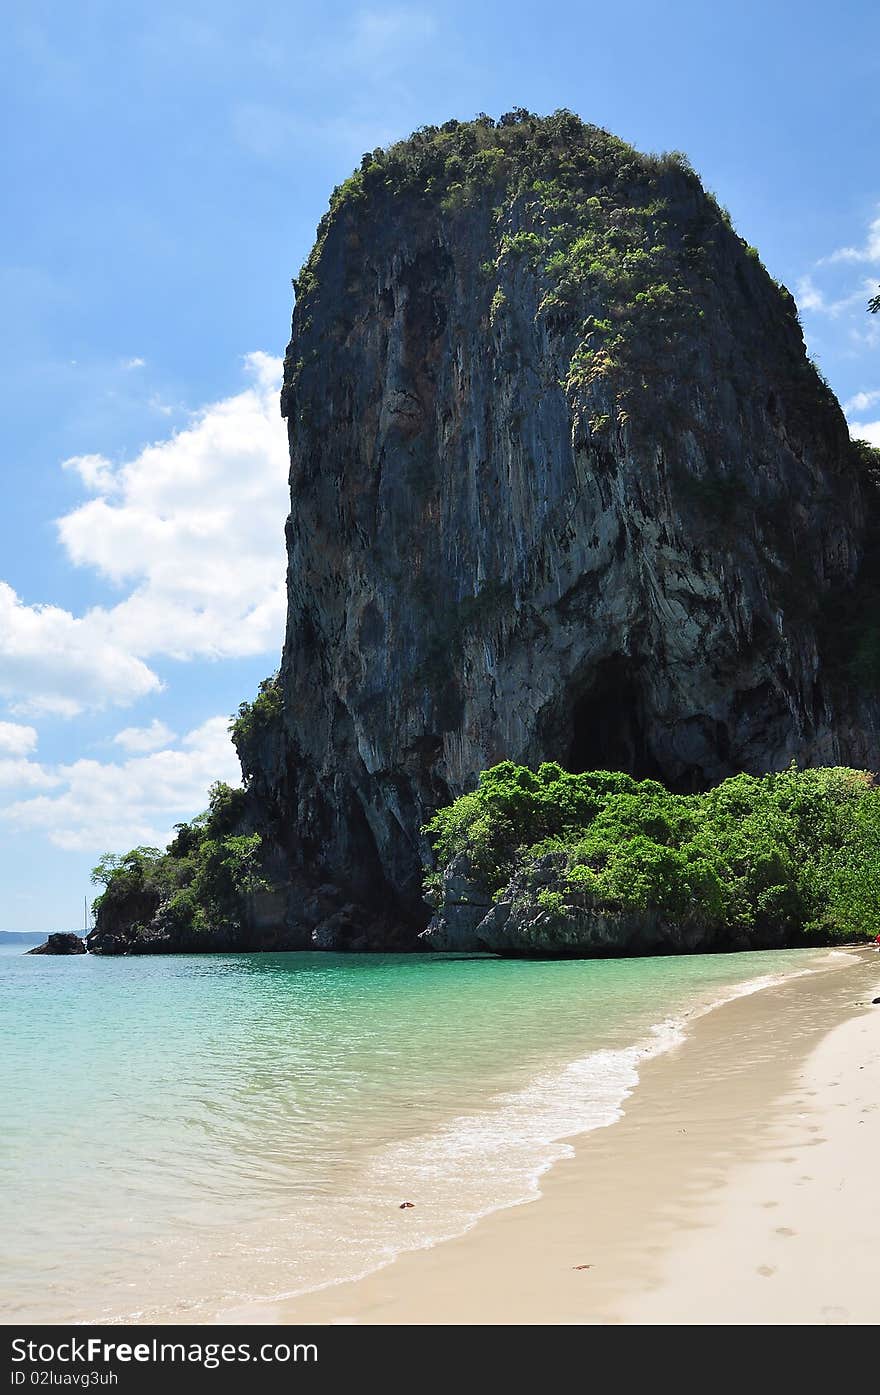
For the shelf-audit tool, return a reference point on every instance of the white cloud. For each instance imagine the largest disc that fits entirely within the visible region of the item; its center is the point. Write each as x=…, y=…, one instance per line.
x=192, y=530
x=17, y=772
x=830, y=290
x=95, y=471
x=111, y=806
x=52, y=662
x=17, y=740
x=195, y=524
x=866, y=431
x=20, y=773
x=130, y=363
x=868, y=252
x=861, y=402
x=810, y=297
x=144, y=738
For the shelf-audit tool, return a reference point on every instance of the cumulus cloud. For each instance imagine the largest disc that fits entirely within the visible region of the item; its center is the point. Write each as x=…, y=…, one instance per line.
x=861, y=402
x=103, y=806
x=866, y=431
x=17, y=770
x=144, y=738
x=51, y=662
x=808, y=296
x=195, y=525
x=22, y=774
x=95, y=471
x=16, y=739
x=192, y=532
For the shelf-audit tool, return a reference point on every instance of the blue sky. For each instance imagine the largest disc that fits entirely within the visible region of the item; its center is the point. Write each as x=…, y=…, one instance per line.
x=164, y=167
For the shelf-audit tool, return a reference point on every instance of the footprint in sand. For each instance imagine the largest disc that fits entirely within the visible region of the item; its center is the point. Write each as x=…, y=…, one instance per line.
x=766, y=1270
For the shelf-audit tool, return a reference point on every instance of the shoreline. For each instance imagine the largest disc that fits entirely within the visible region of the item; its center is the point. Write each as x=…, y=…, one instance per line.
x=646, y=1218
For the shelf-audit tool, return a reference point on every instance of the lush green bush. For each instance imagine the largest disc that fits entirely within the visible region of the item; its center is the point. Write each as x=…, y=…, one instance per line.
x=797, y=851
x=202, y=879
x=255, y=718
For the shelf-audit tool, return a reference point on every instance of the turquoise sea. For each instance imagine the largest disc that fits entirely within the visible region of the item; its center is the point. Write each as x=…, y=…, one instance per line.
x=183, y=1134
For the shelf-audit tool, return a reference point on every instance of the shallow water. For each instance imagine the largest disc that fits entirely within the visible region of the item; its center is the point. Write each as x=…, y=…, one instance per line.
x=186, y=1133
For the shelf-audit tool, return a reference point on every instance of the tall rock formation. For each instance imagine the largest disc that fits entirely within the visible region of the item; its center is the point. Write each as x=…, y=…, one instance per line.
x=564, y=486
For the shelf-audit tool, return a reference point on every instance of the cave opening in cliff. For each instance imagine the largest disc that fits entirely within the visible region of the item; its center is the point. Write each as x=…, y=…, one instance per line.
x=607, y=728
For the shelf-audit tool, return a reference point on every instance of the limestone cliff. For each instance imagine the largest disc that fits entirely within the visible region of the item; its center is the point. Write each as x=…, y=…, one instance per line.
x=564, y=485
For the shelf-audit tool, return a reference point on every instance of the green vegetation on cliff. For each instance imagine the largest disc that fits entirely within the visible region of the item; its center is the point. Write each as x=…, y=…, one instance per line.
x=255, y=721
x=200, y=882
x=596, y=222
x=796, y=852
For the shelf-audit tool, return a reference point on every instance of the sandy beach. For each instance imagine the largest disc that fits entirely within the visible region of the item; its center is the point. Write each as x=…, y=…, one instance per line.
x=737, y=1188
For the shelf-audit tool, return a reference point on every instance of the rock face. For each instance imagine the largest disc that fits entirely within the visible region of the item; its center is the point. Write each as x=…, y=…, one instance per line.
x=62, y=942
x=158, y=938
x=265, y=928
x=564, y=486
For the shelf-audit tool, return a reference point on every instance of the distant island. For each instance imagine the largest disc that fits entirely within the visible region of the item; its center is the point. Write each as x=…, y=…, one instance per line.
x=567, y=494
x=22, y=937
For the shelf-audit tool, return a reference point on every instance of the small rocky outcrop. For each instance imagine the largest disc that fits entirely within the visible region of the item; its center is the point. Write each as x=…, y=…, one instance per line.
x=62, y=942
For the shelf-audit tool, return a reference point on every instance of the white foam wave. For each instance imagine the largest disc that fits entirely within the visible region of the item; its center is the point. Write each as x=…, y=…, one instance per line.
x=479, y=1163
x=502, y=1151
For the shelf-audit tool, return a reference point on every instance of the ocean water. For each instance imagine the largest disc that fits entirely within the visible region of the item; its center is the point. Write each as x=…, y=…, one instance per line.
x=184, y=1134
